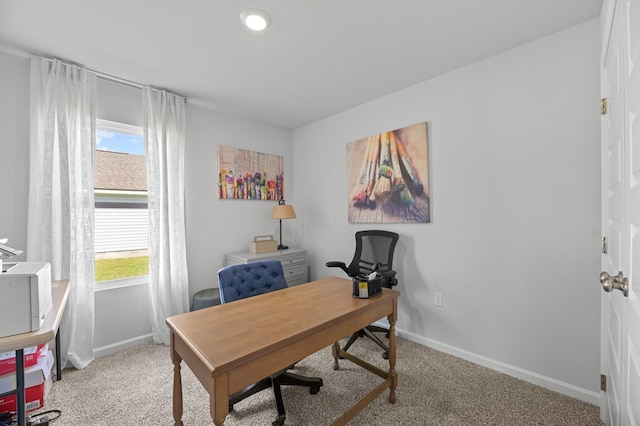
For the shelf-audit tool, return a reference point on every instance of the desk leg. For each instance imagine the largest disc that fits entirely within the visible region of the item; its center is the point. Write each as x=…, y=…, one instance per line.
x=392, y=359
x=177, y=386
x=336, y=355
x=20, y=408
x=219, y=399
x=58, y=366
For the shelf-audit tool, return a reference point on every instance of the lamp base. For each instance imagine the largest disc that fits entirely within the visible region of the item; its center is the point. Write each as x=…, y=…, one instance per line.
x=281, y=247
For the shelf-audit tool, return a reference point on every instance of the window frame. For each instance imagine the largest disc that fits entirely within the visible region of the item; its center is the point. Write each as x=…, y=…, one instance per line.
x=136, y=202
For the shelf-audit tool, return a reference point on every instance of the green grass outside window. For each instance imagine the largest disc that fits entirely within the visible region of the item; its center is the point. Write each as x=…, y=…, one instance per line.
x=117, y=269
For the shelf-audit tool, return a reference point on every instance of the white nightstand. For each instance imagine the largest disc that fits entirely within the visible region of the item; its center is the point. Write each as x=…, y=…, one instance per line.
x=294, y=262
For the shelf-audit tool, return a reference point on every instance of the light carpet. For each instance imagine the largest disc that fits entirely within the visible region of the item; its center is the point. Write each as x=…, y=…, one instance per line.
x=134, y=387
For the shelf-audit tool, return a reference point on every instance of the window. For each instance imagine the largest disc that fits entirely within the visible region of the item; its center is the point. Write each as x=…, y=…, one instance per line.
x=120, y=190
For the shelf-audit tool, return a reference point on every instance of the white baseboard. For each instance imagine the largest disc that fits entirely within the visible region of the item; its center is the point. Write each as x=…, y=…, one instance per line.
x=550, y=383
x=118, y=346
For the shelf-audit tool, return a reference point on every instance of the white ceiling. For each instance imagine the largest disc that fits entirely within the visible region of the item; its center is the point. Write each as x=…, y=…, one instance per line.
x=318, y=58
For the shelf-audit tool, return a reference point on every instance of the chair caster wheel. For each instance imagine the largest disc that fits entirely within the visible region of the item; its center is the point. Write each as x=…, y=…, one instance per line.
x=278, y=422
x=314, y=391
x=385, y=355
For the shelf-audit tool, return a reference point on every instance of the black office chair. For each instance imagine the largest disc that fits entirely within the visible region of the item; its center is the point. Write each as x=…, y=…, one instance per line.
x=374, y=248
x=252, y=279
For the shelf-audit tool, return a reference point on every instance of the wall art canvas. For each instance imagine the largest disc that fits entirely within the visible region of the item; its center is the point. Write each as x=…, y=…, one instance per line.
x=249, y=175
x=388, y=177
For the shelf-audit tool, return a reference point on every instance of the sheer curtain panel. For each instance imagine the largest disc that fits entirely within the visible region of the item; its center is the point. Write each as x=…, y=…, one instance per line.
x=60, y=212
x=164, y=133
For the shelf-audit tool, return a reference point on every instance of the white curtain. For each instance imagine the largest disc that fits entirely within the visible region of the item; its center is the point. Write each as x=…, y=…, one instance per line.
x=164, y=132
x=60, y=213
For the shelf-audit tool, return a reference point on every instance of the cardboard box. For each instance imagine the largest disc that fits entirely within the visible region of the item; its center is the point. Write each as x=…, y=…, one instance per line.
x=37, y=382
x=31, y=356
x=263, y=244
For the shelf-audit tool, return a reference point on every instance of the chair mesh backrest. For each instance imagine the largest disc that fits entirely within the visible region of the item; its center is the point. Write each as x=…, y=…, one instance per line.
x=373, y=247
x=250, y=279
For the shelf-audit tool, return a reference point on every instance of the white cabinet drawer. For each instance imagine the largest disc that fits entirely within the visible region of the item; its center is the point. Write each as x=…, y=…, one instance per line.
x=294, y=262
x=295, y=270
x=295, y=281
x=290, y=260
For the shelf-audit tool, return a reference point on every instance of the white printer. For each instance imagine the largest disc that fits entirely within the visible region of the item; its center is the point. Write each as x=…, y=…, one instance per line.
x=25, y=297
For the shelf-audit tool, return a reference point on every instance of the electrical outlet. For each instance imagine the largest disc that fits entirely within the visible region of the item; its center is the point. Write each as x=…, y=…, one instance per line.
x=437, y=298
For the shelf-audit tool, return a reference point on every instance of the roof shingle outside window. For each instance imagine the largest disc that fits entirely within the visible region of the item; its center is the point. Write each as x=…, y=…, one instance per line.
x=120, y=171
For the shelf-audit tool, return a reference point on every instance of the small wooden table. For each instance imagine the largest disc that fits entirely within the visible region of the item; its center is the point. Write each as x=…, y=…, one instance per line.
x=234, y=345
x=48, y=331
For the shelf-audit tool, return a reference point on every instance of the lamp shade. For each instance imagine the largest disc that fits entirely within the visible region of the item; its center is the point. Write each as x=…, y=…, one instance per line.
x=283, y=211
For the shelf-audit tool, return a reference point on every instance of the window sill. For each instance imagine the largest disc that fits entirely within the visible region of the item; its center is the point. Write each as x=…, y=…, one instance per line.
x=126, y=282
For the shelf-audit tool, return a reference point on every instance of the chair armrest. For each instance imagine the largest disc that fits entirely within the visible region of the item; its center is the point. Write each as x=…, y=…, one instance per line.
x=389, y=278
x=341, y=265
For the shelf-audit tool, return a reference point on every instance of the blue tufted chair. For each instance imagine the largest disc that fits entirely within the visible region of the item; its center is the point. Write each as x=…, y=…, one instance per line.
x=248, y=280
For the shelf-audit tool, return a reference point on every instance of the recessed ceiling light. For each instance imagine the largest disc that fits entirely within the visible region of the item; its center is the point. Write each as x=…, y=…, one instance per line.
x=255, y=19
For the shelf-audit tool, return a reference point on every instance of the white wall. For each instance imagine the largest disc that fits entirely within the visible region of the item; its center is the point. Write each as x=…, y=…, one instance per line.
x=122, y=318
x=14, y=149
x=218, y=226
x=513, y=246
x=513, y=243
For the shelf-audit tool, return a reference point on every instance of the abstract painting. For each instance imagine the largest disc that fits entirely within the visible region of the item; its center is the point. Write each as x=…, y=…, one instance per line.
x=388, y=177
x=249, y=175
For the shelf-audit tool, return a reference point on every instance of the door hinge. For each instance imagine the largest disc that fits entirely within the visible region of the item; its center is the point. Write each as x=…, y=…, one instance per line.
x=603, y=383
x=605, y=248
x=603, y=106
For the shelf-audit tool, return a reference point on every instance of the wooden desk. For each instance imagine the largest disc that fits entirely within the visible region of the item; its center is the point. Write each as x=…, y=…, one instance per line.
x=227, y=353
x=47, y=332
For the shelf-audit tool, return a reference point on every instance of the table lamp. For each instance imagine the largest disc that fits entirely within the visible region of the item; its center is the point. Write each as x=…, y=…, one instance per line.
x=282, y=211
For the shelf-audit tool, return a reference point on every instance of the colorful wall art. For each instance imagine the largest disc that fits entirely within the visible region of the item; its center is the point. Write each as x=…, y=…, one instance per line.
x=388, y=177
x=249, y=175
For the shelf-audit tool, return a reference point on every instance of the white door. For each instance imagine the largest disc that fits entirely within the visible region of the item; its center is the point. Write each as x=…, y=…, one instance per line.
x=620, y=306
